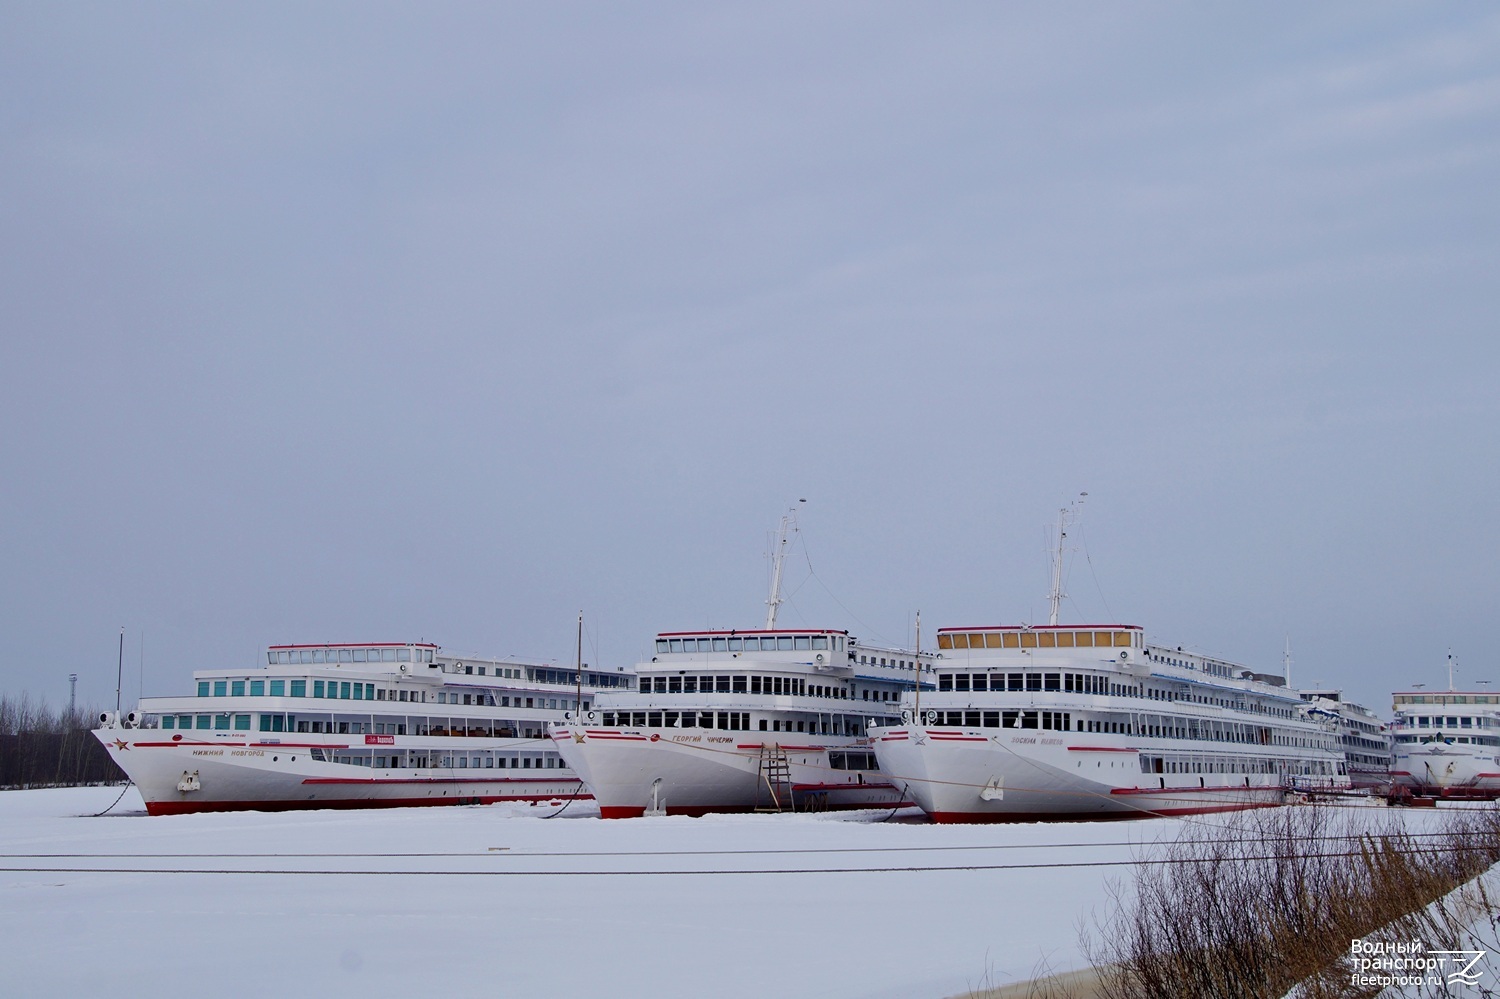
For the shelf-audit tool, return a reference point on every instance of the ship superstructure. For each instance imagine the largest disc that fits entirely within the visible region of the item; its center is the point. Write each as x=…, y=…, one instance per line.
x=355, y=725
x=1447, y=741
x=1093, y=721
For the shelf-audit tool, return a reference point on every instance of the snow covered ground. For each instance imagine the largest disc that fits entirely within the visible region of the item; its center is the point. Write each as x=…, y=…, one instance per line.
x=498, y=901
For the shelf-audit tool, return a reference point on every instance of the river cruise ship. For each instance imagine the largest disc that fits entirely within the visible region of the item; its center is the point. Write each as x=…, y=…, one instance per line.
x=739, y=721
x=1447, y=742
x=1366, y=740
x=1092, y=721
x=358, y=725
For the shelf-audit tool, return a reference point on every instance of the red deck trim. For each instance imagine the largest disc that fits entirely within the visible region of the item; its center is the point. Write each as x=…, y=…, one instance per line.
x=242, y=745
x=1264, y=788
x=1046, y=627
x=1101, y=816
x=355, y=645
x=1100, y=749
x=190, y=807
x=736, y=633
x=441, y=780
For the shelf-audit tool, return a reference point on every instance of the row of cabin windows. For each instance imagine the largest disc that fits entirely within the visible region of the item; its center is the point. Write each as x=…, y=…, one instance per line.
x=1073, y=683
x=1447, y=699
x=1153, y=726
x=1055, y=720
x=728, y=721
x=1476, y=740
x=344, y=690
x=468, y=761
x=1036, y=640
x=887, y=661
x=774, y=685
x=732, y=721
x=506, y=701
x=1083, y=683
x=278, y=657
x=570, y=677
x=1234, y=765
x=765, y=643
x=456, y=728
x=1448, y=721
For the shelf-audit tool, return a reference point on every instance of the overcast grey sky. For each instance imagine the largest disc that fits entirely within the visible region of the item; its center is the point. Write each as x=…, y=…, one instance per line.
x=346, y=322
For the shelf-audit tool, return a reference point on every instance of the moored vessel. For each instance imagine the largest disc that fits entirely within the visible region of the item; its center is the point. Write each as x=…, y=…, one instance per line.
x=358, y=725
x=761, y=719
x=1447, y=741
x=1086, y=721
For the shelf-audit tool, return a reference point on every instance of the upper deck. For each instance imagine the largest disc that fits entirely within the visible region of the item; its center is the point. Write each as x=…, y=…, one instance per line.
x=796, y=650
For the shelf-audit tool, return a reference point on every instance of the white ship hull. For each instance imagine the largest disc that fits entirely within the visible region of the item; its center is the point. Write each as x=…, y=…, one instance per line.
x=964, y=775
x=634, y=770
x=238, y=771
x=1444, y=769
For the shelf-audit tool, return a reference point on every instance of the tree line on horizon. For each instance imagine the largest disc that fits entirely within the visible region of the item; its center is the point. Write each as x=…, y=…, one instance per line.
x=45, y=747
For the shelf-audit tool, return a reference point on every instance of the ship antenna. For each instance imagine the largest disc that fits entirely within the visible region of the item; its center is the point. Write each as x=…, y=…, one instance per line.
x=119, y=672
x=1065, y=516
x=1286, y=663
x=788, y=522
x=578, y=674
x=1450, y=670
x=916, y=715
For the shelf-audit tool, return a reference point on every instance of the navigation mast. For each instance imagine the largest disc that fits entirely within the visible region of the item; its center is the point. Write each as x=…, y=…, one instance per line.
x=1065, y=516
x=578, y=674
x=788, y=523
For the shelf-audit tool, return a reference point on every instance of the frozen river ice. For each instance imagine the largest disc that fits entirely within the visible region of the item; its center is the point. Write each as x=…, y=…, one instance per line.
x=498, y=901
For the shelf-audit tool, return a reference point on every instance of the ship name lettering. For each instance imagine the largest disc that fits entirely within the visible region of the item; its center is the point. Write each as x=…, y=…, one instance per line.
x=247, y=752
x=1029, y=739
x=687, y=738
x=719, y=738
x=208, y=752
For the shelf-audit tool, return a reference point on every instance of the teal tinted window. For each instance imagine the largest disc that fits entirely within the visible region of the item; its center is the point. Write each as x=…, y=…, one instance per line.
x=184, y=721
x=237, y=688
x=369, y=692
x=343, y=691
x=168, y=721
x=242, y=722
x=265, y=723
x=220, y=688
x=278, y=723
x=299, y=688
x=359, y=691
x=317, y=688
x=257, y=688
x=221, y=721
x=203, y=721
x=278, y=688
x=202, y=688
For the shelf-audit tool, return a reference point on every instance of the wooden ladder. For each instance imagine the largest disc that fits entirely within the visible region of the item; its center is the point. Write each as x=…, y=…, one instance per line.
x=774, y=772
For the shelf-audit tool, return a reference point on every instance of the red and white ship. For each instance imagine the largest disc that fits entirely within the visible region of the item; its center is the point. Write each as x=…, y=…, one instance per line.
x=1447, y=741
x=736, y=721
x=359, y=725
x=1092, y=721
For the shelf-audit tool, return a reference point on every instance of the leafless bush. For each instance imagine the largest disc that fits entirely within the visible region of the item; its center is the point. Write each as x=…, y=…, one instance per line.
x=1269, y=902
